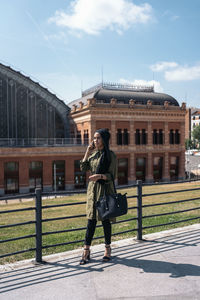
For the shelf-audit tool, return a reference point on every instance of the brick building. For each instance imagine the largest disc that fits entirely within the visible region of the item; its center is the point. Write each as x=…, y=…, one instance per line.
x=42, y=140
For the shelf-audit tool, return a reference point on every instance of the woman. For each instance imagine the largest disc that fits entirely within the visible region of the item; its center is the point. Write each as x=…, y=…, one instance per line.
x=101, y=161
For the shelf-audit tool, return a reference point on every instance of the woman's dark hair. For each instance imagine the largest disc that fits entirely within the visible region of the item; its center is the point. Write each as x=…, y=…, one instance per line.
x=105, y=160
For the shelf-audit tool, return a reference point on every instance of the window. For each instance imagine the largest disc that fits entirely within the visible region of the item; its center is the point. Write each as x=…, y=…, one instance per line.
x=11, y=166
x=86, y=137
x=140, y=168
x=79, y=176
x=137, y=137
x=126, y=137
x=11, y=176
x=174, y=168
x=78, y=137
x=171, y=137
x=144, y=137
x=122, y=136
x=119, y=137
x=160, y=138
x=177, y=137
x=157, y=168
x=155, y=137
x=174, y=137
x=122, y=171
x=35, y=175
x=140, y=137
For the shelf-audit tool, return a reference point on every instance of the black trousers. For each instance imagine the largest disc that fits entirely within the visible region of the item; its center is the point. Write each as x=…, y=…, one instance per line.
x=91, y=229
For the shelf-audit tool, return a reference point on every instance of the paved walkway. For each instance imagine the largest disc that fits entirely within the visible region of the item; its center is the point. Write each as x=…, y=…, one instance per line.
x=165, y=266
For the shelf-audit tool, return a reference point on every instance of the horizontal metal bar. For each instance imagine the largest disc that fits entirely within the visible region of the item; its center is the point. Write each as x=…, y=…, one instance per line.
x=18, y=238
x=60, y=205
x=170, y=213
x=171, y=192
x=64, y=231
x=63, y=193
x=67, y=230
x=126, y=231
x=169, y=182
x=18, y=252
x=126, y=220
x=63, y=218
x=62, y=244
x=16, y=210
x=130, y=197
x=132, y=207
x=171, y=202
x=18, y=196
x=171, y=223
x=17, y=224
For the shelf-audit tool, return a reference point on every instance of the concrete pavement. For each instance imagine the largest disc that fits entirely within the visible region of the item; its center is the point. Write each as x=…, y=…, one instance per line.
x=165, y=266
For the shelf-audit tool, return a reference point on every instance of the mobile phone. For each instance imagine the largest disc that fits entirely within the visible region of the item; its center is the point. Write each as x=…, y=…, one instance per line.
x=93, y=145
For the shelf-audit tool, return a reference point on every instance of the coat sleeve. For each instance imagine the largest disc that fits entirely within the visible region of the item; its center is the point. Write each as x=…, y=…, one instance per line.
x=112, y=171
x=84, y=165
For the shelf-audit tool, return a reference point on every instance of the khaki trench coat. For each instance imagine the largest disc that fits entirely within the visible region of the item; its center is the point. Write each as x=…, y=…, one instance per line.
x=95, y=190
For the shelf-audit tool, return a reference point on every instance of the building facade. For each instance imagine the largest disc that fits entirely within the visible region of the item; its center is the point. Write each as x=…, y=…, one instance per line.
x=42, y=139
x=195, y=119
x=147, y=130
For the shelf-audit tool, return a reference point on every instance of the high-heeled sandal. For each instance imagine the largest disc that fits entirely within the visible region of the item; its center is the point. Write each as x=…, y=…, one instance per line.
x=85, y=256
x=108, y=256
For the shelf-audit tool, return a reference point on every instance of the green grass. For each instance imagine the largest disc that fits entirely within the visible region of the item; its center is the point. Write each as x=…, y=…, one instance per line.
x=18, y=217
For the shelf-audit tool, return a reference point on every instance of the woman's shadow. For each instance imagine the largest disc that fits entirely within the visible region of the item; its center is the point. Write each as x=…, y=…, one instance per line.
x=154, y=266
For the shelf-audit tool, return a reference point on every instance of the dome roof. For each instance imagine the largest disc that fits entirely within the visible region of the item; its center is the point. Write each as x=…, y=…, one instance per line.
x=141, y=97
x=104, y=92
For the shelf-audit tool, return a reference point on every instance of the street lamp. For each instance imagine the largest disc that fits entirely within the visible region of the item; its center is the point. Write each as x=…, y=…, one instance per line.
x=54, y=175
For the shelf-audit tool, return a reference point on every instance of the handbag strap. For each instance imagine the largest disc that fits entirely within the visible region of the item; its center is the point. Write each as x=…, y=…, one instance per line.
x=113, y=183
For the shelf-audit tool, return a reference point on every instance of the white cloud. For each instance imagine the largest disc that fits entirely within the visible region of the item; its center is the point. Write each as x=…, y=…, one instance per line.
x=163, y=65
x=157, y=86
x=169, y=14
x=93, y=16
x=175, y=72
x=183, y=73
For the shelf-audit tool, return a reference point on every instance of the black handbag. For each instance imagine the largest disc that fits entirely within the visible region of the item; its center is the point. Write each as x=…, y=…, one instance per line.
x=111, y=206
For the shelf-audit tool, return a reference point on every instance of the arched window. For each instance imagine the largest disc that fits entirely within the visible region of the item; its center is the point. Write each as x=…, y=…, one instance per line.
x=78, y=137
x=137, y=137
x=171, y=137
x=144, y=137
x=155, y=137
x=160, y=139
x=119, y=137
x=126, y=137
x=177, y=137
x=86, y=136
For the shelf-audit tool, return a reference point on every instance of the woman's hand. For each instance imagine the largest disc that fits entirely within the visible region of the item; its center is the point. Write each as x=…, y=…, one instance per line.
x=96, y=177
x=91, y=146
x=89, y=150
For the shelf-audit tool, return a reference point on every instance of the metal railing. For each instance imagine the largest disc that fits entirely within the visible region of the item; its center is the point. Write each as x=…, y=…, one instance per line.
x=139, y=218
x=42, y=142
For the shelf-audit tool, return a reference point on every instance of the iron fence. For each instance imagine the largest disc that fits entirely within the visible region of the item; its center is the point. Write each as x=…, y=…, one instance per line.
x=139, y=207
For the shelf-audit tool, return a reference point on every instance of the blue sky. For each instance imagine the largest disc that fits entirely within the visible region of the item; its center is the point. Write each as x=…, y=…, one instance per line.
x=67, y=45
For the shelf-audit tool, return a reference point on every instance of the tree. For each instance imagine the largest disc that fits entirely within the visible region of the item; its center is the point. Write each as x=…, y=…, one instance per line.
x=189, y=144
x=196, y=134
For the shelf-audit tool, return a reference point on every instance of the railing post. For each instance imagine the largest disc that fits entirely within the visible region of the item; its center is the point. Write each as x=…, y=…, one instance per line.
x=139, y=210
x=38, y=227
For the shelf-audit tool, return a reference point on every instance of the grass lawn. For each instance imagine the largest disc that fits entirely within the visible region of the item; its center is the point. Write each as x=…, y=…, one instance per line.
x=18, y=217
